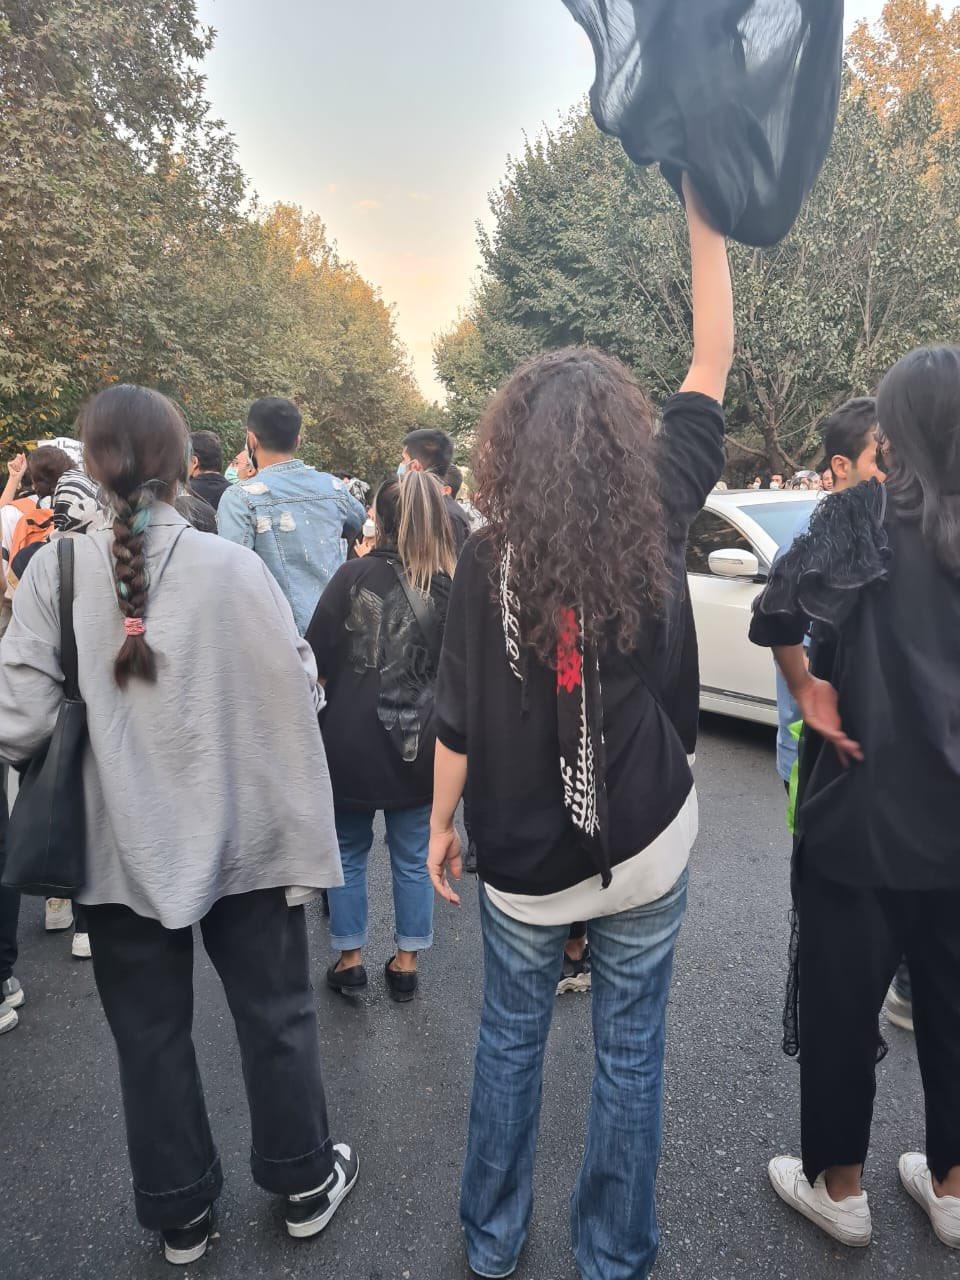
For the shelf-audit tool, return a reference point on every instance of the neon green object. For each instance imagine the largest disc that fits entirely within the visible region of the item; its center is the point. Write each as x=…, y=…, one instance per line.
x=795, y=730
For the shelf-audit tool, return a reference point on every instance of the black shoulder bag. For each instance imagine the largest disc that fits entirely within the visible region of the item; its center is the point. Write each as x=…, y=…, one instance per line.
x=433, y=640
x=426, y=620
x=46, y=836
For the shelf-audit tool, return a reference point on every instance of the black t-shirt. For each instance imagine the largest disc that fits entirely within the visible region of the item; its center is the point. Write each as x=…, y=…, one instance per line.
x=525, y=841
x=210, y=486
x=893, y=654
x=375, y=660
x=460, y=522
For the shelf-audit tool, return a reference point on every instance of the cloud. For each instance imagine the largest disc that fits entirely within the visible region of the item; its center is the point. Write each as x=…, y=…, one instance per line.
x=420, y=197
x=367, y=205
x=333, y=188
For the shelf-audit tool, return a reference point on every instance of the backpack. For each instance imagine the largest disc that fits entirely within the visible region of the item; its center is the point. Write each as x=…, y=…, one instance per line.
x=34, y=527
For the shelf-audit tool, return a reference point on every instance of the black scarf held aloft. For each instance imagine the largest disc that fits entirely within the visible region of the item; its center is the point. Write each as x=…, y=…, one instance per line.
x=743, y=94
x=583, y=762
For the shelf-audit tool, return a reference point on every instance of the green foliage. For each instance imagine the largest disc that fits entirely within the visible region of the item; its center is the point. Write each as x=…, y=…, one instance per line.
x=588, y=249
x=126, y=253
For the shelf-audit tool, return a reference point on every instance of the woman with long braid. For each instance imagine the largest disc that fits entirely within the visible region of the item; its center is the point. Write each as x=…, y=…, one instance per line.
x=207, y=796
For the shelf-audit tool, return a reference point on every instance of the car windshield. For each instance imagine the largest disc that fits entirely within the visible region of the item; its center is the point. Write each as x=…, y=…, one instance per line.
x=780, y=519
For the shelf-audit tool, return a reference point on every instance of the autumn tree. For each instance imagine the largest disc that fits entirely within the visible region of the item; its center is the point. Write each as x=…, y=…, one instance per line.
x=914, y=48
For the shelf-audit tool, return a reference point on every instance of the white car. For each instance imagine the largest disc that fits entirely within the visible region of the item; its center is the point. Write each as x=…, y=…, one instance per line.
x=732, y=545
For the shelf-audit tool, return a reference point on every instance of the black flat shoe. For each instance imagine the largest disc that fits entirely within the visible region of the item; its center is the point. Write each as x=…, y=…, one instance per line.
x=347, y=981
x=402, y=985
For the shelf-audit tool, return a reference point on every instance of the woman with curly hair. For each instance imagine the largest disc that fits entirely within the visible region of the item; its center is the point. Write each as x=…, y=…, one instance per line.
x=207, y=802
x=569, y=682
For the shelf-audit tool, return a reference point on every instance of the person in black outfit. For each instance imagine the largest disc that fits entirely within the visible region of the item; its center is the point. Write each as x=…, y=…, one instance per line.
x=569, y=685
x=877, y=863
x=432, y=450
x=207, y=480
x=376, y=635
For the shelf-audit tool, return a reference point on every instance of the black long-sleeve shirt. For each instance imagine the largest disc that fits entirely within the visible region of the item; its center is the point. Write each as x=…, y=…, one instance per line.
x=525, y=841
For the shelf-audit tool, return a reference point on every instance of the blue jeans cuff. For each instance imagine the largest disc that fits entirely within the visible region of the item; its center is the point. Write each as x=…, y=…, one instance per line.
x=413, y=944
x=352, y=942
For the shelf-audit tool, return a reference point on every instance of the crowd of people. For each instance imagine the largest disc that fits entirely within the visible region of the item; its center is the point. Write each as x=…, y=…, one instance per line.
x=534, y=659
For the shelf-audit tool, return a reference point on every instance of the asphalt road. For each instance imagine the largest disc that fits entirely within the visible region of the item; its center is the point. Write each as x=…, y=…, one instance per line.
x=398, y=1080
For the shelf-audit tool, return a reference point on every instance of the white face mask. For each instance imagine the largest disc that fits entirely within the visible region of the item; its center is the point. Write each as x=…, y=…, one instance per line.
x=403, y=468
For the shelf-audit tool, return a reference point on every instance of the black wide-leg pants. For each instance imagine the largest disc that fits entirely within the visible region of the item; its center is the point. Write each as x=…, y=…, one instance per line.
x=144, y=973
x=851, y=943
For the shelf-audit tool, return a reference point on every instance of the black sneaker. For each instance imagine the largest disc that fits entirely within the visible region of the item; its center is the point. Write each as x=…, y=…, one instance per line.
x=347, y=981
x=182, y=1245
x=576, y=974
x=401, y=984
x=309, y=1213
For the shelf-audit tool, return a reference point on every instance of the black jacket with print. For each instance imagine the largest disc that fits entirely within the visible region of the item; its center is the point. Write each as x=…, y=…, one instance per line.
x=370, y=650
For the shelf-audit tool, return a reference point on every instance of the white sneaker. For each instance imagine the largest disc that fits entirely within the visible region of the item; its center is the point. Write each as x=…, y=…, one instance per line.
x=12, y=992
x=80, y=947
x=943, y=1211
x=898, y=1010
x=846, y=1220
x=58, y=914
x=8, y=1017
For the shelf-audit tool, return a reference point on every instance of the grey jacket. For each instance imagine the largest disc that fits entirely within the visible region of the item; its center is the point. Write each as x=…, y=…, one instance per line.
x=211, y=782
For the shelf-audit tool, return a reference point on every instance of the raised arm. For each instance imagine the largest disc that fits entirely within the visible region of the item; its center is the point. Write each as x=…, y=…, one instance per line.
x=15, y=468
x=712, y=303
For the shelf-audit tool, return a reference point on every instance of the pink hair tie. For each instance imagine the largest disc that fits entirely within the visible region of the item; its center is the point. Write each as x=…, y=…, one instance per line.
x=134, y=626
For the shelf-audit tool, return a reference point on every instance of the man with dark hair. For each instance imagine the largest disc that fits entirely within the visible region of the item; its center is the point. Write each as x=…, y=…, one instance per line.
x=429, y=449
x=298, y=520
x=453, y=482
x=207, y=480
x=850, y=443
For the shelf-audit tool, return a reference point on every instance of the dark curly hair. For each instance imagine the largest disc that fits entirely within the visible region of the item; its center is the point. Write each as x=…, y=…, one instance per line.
x=566, y=474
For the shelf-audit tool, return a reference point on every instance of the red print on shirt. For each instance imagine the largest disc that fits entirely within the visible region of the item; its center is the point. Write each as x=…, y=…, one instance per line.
x=569, y=657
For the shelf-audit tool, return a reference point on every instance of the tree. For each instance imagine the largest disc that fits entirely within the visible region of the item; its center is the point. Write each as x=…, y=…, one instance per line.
x=912, y=49
x=586, y=248
x=127, y=254
x=109, y=166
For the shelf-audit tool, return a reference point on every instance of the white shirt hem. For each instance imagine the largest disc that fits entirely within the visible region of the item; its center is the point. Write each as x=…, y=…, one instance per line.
x=642, y=879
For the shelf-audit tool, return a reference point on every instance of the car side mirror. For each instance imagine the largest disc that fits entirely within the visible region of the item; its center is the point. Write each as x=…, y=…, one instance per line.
x=734, y=564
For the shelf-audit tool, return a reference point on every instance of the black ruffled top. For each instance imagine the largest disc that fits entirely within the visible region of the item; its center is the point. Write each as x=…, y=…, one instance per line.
x=886, y=633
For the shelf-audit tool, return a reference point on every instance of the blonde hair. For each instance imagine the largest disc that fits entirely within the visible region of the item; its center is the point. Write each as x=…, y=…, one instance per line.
x=411, y=513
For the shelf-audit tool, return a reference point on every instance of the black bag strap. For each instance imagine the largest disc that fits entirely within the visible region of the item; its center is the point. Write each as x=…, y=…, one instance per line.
x=426, y=620
x=68, y=639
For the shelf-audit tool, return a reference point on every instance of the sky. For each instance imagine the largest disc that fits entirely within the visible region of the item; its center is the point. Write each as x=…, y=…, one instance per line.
x=393, y=121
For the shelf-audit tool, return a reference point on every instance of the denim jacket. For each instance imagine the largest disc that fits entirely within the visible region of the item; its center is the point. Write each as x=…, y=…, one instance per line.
x=298, y=521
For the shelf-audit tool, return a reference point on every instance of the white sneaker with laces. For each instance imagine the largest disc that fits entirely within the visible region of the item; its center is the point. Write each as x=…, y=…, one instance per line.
x=58, y=914
x=80, y=947
x=845, y=1220
x=943, y=1211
